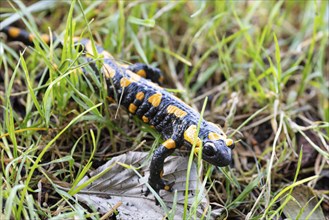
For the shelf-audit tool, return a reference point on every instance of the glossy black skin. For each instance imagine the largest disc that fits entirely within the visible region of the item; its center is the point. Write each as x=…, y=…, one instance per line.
x=163, y=122
x=153, y=74
x=22, y=37
x=168, y=125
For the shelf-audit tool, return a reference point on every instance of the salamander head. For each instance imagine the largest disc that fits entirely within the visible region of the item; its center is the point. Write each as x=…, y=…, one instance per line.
x=216, y=147
x=217, y=153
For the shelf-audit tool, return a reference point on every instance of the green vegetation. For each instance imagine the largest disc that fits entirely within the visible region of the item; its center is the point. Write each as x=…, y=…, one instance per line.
x=264, y=67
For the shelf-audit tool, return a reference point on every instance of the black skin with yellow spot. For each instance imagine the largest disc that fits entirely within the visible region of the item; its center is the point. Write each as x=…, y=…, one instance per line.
x=22, y=35
x=153, y=74
x=169, y=125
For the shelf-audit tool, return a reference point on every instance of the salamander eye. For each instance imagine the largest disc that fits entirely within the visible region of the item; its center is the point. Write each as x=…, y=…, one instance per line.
x=209, y=149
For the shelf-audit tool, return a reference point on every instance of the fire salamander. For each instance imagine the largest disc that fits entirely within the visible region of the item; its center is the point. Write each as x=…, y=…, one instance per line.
x=136, y=87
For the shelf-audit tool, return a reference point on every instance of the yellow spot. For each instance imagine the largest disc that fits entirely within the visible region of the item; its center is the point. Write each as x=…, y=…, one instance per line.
x=124, y=82
x=14, y=32
x=179, y=113
x=140, y=96
x=45, y=38
x=31, y=37
x=161, y=174
x=155, y=99
x=132, y=108
x=190, y=136
x=141, y=73
x=228, y=142
x=167, y=188
x=108, y=71
x=214, y=136
x=145, y=119
x=169, y=144
x=135, y=78
x=221, y=133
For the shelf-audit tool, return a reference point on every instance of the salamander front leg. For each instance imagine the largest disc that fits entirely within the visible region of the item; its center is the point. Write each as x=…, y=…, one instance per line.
x=156, y=168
